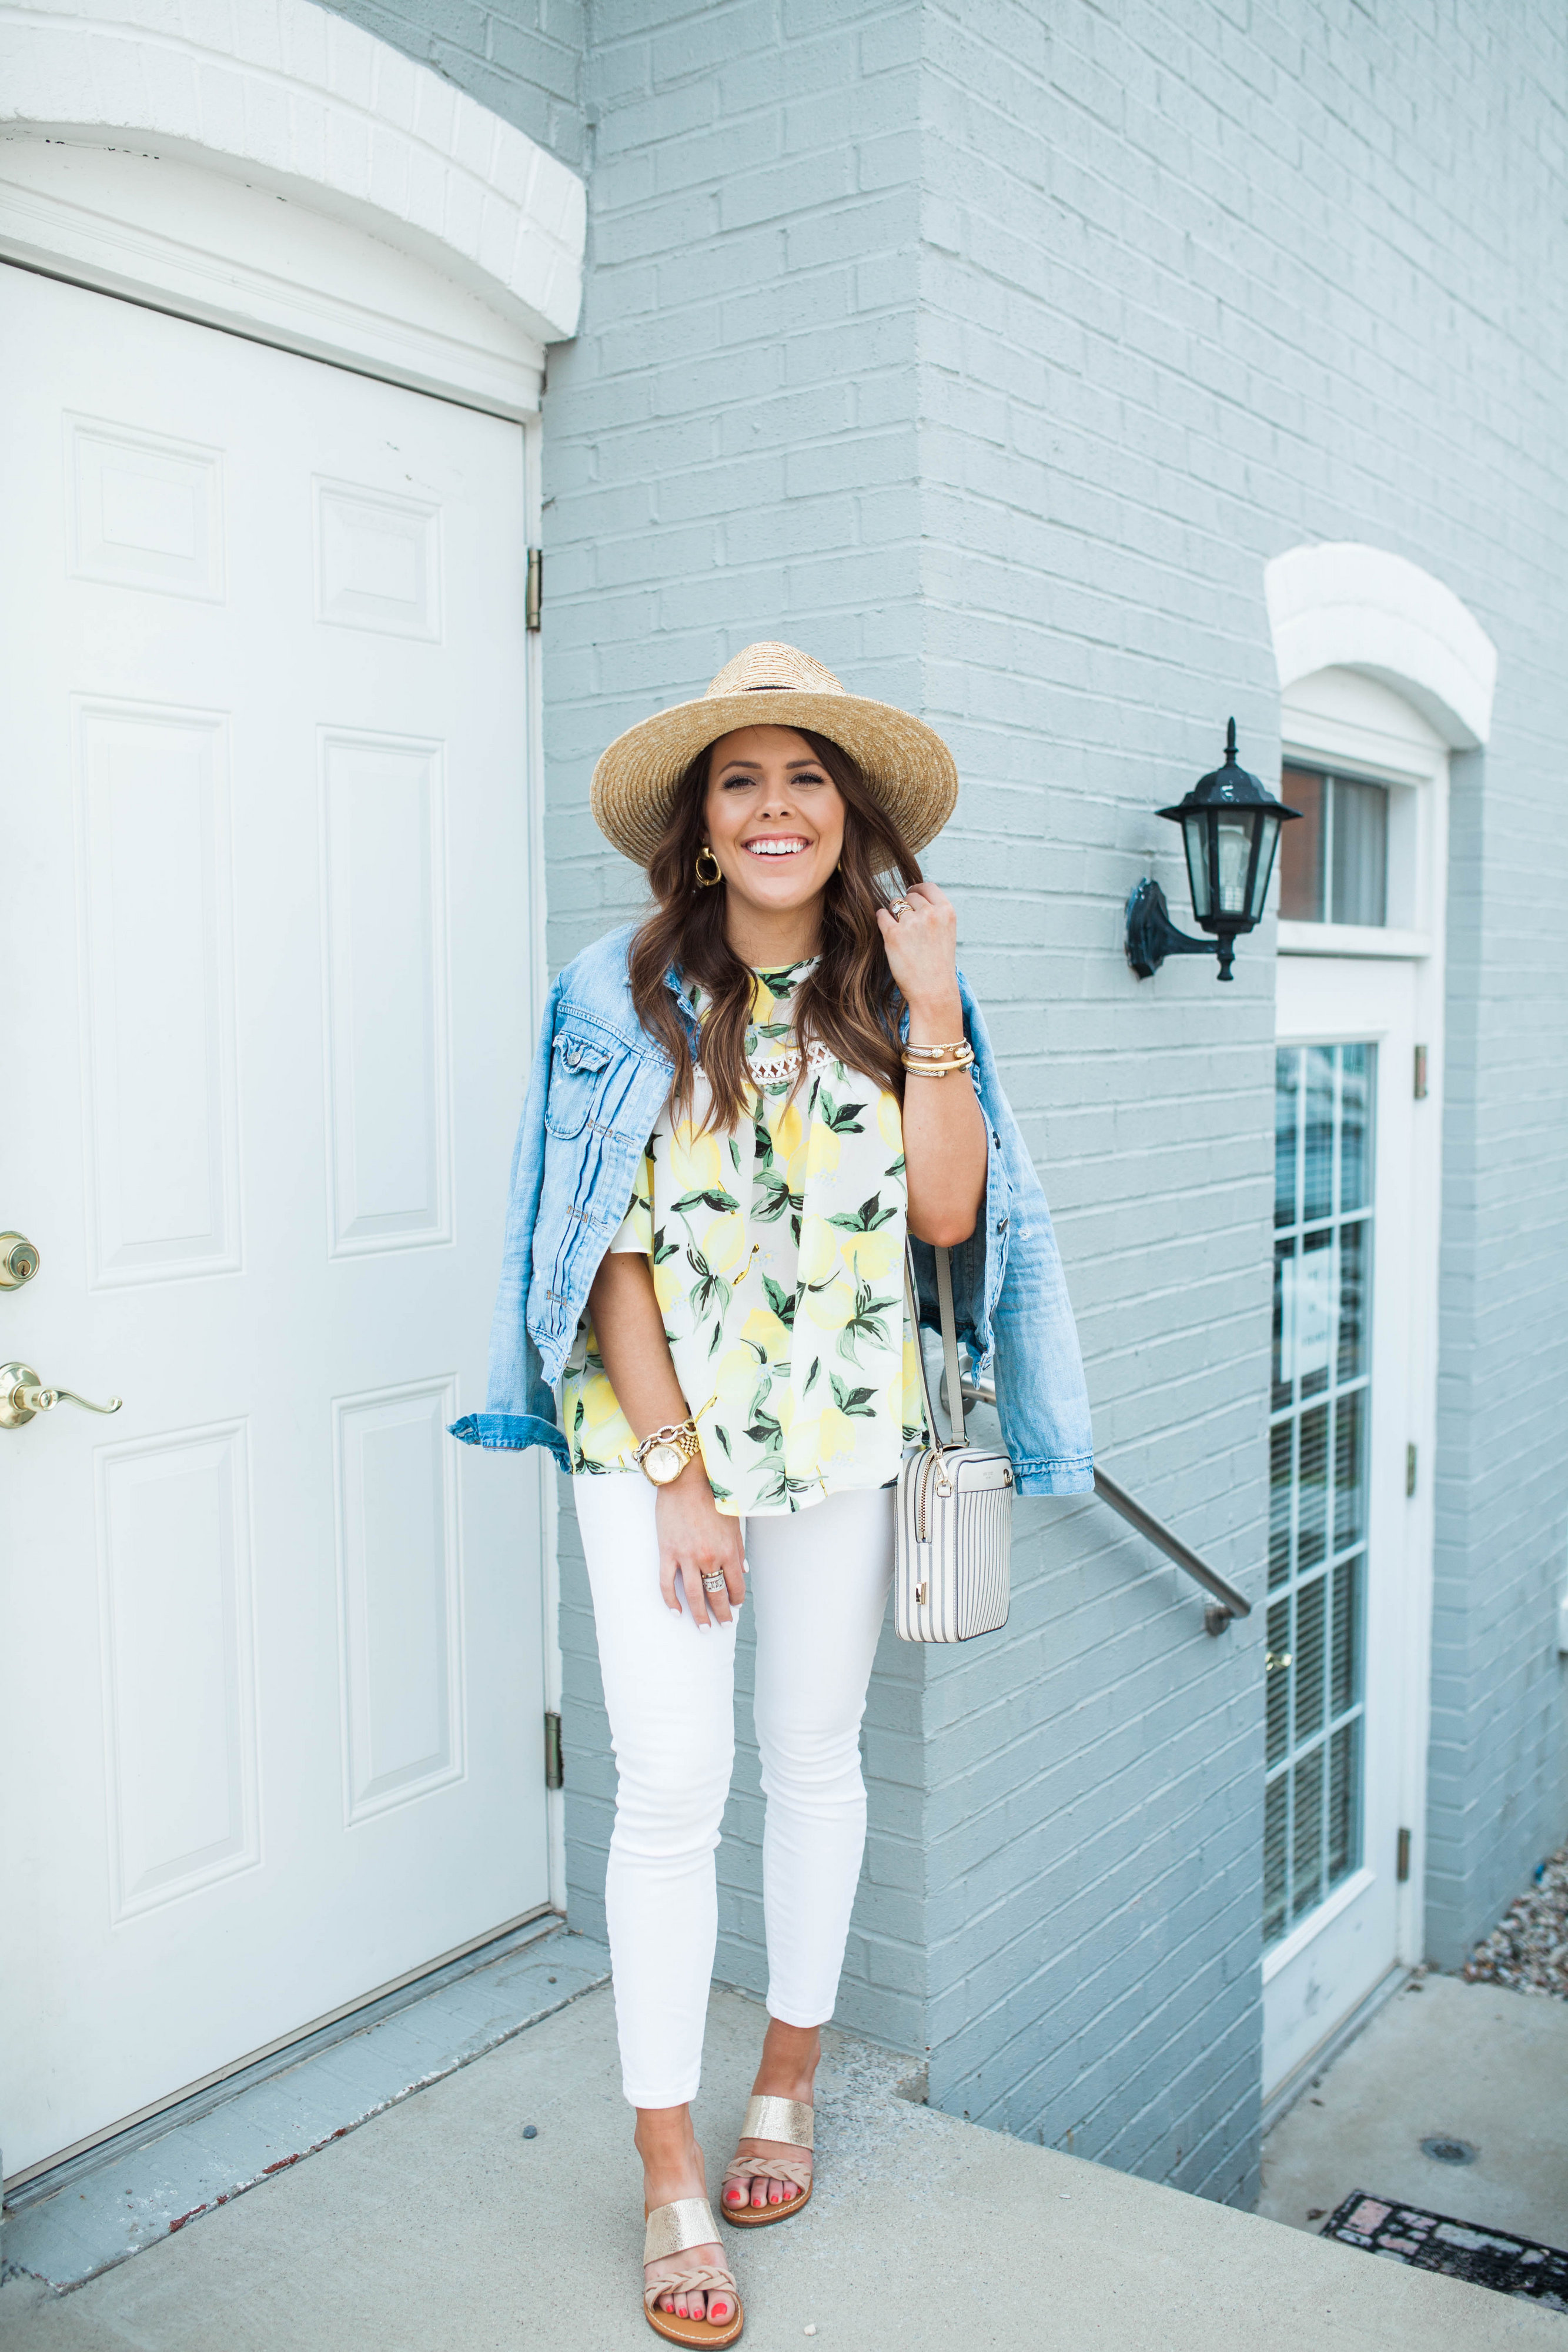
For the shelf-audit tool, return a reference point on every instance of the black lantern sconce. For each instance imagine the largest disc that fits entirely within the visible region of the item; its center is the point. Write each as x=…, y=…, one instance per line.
x=1231, y=829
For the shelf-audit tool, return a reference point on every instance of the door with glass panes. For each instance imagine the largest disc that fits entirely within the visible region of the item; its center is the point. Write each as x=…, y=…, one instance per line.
x=1353, y=1387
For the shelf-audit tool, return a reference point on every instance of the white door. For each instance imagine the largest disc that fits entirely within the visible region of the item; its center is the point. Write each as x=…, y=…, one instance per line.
x=1354, y=1397
x=272, y=1641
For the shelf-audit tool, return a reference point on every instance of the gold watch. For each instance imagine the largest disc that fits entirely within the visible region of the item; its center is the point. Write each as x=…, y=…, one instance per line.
x=663, y=1455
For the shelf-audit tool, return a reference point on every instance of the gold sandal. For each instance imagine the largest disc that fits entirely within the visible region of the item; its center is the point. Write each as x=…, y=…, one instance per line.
x=671, y=2228
x=789, y=2120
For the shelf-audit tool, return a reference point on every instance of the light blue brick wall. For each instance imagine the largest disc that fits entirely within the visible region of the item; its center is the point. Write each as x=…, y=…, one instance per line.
x=522, y=59
x=1199, y=284
x=990, y=351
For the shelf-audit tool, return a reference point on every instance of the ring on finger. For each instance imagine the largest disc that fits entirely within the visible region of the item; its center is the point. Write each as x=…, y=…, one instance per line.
x=713, y=1583
x=897, y=906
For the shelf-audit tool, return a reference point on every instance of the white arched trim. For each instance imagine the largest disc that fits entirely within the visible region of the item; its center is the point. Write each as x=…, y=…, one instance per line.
x=1342, y=607
x=145, y=149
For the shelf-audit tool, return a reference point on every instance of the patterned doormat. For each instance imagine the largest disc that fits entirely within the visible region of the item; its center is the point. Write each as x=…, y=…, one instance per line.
x=1431, y=2242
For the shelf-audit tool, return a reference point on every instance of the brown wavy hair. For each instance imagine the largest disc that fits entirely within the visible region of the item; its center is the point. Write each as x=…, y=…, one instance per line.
x=850, y=1003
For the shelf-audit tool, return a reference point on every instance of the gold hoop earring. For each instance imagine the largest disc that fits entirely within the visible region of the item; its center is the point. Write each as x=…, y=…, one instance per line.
x=706, y=881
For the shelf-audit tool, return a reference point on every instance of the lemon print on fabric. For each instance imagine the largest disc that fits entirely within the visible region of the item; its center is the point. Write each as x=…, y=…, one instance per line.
x=778, y=1263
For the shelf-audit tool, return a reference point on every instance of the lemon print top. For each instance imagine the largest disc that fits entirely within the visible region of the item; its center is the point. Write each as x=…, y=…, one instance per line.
x=778, y=1258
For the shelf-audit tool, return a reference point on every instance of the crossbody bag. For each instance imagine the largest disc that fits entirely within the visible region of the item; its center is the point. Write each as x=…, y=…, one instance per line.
x=952, y=1557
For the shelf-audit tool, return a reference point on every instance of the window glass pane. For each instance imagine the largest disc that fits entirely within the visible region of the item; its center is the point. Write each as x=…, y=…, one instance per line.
x=1307, y=1839
x=1284, y=1300
x=1313, y=1319
x=1355, y=1127
x=1279, y=1504
x=1311, y=1542
x=1345, y=1679
x=1309, y=1658
x=1353, y=1301
x=1317, y=1178
x=1350, y=1471
x=1301, y=847
x=1360, y=852
x=1287, y=1077
x=1315, y=1687
x=1345, y=1810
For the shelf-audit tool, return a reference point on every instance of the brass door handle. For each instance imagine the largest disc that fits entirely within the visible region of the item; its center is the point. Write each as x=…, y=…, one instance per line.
x=23, y=1394
x=19, y=1260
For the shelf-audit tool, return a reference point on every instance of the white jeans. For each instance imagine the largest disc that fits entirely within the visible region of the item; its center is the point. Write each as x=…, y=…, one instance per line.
x=819, y=1582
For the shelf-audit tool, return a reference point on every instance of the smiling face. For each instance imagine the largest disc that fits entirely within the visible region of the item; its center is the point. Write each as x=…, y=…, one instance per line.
x=775, y=819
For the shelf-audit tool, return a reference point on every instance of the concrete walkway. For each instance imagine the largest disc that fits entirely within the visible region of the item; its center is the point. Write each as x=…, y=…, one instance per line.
x=437, y=2227
x=1449, y=2061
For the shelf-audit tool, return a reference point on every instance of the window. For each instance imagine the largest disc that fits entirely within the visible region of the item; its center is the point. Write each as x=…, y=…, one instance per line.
x=1333, y=864
x=1315, y=1667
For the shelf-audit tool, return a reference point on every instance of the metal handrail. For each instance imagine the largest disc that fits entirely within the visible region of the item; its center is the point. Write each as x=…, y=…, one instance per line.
x=1227, y=1602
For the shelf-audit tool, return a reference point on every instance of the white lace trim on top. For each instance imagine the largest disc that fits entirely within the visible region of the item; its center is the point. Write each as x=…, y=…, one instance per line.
x=773, y=1069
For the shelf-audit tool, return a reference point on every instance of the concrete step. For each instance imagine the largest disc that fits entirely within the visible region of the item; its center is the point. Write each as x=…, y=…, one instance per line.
x=439, y=2226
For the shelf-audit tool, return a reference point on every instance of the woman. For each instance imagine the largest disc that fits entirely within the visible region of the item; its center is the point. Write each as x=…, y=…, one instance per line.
x=738, y=1115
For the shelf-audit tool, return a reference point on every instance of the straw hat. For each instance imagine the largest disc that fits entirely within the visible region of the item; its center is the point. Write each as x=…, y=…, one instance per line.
x=907, y=768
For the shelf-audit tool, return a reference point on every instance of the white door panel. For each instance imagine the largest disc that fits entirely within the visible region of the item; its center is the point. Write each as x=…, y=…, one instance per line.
x=272, y=1653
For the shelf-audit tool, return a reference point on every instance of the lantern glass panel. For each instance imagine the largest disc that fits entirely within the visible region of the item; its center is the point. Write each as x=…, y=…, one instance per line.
x=1233, y=840
x=1194, y=835
x=1268, y=834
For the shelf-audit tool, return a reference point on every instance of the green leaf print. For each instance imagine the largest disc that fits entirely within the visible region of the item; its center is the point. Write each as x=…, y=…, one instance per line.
x=780, y=1300
x=776, y=1197
x=712, y=1294
x=866, y=1323
x=855, y=1404
x=867, y=1219
x=722, y=1434
x=735, y=1154
x=780, y=983
x=811, y=1377
x=842, y=1119
x=764, y=1430
x=712, y=1195
x=663, y=1248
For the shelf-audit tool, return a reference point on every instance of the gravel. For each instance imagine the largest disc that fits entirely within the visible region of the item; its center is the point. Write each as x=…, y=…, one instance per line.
x=1528, y=1951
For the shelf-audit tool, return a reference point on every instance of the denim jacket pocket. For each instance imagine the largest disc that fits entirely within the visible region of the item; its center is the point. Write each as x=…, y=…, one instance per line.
x=578, y=1064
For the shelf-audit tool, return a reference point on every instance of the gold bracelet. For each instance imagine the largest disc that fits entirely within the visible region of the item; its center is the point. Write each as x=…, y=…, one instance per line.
x=959, y=1045
x=928, y=1066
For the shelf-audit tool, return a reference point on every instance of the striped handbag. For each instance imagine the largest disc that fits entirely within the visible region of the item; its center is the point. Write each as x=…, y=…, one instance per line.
x=952, y=1555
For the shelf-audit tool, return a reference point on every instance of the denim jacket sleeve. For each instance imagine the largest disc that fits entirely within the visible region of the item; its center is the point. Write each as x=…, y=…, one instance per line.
x=520, y=1404
x=1011, y=1303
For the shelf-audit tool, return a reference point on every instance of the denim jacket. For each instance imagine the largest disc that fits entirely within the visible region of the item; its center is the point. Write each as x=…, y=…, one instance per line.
x=597, y=1086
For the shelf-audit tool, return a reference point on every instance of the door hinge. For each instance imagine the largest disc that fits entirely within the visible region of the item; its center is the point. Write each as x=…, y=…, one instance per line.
x=1421, y=1088
x=1410, y=1461
x=534, y=594
x=1402, y=1864
x=555, y=1776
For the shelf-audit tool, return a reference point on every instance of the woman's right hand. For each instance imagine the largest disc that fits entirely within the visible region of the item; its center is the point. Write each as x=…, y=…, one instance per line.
x=695, y=1539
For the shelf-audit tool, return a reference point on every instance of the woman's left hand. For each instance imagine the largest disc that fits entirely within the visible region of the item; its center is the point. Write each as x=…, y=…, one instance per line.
x=921, y=943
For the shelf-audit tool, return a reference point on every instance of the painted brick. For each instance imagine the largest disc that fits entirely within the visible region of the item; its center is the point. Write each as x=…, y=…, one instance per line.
x=999, y=395
x=522, y=59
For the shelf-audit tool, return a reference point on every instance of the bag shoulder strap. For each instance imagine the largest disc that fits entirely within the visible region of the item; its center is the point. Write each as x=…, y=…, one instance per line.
x=949, y=1342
